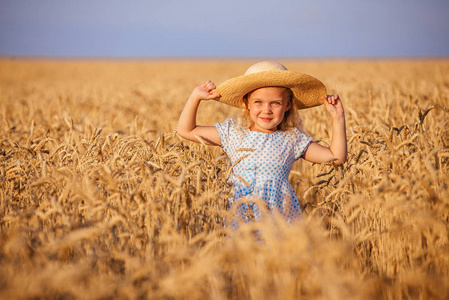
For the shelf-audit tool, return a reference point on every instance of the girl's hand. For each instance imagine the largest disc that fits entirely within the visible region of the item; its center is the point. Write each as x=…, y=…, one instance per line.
x=205, y=91
x=337, y=151
x=333, y=105
x=187, y=127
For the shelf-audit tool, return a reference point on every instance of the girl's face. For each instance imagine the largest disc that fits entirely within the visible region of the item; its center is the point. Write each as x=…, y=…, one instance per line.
x=267, y=107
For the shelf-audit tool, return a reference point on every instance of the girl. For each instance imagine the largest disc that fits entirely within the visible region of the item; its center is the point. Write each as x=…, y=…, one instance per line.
x=268, y=139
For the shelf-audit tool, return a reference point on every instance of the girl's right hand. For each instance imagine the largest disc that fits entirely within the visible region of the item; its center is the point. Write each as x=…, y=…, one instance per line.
x=187, y=127
x=205, y=91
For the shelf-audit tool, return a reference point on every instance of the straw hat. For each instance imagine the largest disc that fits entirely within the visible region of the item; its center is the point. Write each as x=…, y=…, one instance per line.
x=307, y=91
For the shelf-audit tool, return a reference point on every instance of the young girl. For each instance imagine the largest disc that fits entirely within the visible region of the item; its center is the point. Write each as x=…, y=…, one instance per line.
x=268, y=139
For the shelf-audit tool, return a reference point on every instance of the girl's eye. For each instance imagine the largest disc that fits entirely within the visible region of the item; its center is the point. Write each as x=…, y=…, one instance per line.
x=276, y=103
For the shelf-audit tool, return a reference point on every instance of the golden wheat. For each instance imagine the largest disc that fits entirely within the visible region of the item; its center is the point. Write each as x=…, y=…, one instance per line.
x=99, y=198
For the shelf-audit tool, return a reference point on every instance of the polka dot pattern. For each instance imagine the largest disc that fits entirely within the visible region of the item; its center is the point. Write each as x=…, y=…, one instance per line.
x=263, y=172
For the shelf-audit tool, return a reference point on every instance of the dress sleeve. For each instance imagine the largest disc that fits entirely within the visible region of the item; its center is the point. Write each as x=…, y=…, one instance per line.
x=302, y=141
x=225, y=132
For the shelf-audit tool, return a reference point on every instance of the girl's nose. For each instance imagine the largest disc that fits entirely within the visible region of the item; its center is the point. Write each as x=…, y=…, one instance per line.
x=267, y=108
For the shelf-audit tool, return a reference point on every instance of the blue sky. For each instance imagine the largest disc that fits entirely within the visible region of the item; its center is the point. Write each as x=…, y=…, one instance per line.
x=232, y=28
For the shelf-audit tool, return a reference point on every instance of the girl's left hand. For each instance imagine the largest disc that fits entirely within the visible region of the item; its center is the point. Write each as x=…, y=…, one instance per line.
x=333, y=105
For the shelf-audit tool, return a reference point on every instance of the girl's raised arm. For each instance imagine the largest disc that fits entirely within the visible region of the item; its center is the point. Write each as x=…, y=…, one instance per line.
x=317, y=153
x=187, y=127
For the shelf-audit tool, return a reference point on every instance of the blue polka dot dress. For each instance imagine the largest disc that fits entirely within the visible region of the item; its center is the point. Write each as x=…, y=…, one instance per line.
x=262, y=162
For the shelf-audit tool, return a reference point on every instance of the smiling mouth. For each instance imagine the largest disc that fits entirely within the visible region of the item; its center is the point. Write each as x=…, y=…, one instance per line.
x=266, y=119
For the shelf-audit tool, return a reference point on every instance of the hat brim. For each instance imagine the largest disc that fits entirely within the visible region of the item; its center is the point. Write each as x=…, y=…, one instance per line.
x=307, y=90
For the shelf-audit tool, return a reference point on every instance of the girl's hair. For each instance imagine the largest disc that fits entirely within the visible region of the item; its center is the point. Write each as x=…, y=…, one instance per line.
x=291, y=119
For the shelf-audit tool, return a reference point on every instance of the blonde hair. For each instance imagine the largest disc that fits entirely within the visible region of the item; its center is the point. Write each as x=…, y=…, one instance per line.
x=291, y=119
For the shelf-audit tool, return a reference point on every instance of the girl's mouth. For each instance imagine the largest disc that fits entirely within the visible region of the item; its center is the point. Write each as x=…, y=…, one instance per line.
x=266, y=119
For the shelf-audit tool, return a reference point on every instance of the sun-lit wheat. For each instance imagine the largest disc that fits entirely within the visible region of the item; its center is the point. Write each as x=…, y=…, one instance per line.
x=100, y=199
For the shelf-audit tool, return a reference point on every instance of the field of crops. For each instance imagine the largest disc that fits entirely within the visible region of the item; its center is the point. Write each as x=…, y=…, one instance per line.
x=100, y=199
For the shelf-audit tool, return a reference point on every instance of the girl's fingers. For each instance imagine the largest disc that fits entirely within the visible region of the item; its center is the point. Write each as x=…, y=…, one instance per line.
x=331, y=99
x=335, y=98
x=215, y=95
x=209, y=86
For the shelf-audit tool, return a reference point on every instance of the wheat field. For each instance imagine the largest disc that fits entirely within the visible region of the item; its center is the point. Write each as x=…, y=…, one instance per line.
x=100, y=199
